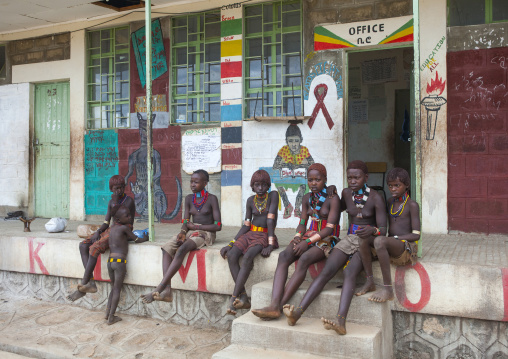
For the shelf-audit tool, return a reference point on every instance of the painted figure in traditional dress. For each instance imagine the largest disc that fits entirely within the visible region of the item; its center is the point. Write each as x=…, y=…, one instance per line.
x=256, y=236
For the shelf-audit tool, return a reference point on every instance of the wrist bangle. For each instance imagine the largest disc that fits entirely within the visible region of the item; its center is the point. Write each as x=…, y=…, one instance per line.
x=298, y=234
x=106, y=222
x=271, y=240
x=308, y=241
x=183, y=231
x=378, y=232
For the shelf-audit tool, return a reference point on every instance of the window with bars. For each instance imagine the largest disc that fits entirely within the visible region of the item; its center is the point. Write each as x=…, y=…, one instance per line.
x=195, y=68
x=273, y=59
x=108, y=78
x=475, y=12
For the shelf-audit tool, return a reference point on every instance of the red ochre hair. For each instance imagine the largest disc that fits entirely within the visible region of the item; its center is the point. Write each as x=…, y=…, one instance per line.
x=318, y=167
x=260, y=176
x=116, y=180
x=358, y=165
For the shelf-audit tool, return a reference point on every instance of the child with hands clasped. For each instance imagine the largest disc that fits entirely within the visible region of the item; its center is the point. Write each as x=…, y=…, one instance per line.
x=400, y=247
x=204, y=209
x=120, y=234
x=256, y=236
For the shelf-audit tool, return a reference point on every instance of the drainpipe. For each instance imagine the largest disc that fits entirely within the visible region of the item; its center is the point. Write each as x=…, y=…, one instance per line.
x=149, y=145
x=417, y=107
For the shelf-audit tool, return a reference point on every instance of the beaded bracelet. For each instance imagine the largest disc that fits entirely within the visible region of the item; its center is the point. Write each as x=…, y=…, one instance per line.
x=185, y=221
x=378, y=232
x=303, y=222
x=218, y=223
x=231, y=243
x=298, y=234
x=309, y=243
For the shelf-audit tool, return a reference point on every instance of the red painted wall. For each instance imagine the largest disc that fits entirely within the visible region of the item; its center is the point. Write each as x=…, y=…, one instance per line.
x=478, y=140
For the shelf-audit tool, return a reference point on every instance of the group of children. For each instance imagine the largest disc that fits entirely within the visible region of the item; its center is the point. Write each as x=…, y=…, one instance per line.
x=316, y=238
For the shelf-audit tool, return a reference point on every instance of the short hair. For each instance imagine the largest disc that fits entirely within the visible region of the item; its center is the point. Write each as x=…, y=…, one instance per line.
x=399, y=173
x=358, y=165
x=294, y=130
x=260, y=176
x=202, y=173
x=116, y=180
x=317, y=167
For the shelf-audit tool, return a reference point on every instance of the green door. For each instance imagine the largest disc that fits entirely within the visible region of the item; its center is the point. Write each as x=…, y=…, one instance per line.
x=52, y=150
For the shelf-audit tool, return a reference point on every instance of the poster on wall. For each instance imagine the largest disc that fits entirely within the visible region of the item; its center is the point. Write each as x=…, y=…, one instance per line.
x=379, y=70
x=159, y=63
x=201, y=149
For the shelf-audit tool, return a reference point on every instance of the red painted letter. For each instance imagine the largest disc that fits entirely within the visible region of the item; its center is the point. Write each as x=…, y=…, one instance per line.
x=34, y=256
x=400, y=287
x=97, y=271
x=184, y=270
x=504, y=273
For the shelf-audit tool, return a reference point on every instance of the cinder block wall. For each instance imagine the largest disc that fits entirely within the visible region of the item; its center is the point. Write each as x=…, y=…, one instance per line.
x=477, y=129
x=41, y=49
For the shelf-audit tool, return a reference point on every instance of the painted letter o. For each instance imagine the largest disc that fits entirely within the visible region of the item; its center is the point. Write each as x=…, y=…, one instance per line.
x=400, y=288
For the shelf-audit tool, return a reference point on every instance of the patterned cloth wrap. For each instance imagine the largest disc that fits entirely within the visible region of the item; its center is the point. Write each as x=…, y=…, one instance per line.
x=288, y=157
x=102, y=244
x=201, y=238
x=256, y=236
x=327, y=243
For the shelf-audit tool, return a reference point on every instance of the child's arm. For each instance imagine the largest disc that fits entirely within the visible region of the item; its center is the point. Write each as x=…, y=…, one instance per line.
x=414, y=210
x=104, y=225
x=244, y=229
x=380, y=228
x=180, y=238
x=271, y=221
x=302, y=225
x=132, y=237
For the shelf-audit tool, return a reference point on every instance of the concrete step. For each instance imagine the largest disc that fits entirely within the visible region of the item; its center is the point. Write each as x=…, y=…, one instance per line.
x=245, y=352
x=361, y=310
x=308, y=336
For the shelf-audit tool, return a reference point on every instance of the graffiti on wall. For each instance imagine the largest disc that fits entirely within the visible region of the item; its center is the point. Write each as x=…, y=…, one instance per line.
x=433, y=103
x=324, y=68
x=137, y=163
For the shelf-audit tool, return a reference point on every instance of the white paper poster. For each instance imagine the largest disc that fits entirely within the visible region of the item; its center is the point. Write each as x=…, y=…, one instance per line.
x=201, y=149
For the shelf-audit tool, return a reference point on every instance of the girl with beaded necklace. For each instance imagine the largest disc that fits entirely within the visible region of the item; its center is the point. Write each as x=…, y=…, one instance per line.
x=322, y=207
x=204, y=209
x=256, y=236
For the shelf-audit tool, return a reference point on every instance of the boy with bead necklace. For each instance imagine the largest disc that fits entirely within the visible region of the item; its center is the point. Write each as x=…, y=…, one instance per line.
x=400, y=247
x=256, y=236
x=322, y=207
x=366, y=210
x=204, y=209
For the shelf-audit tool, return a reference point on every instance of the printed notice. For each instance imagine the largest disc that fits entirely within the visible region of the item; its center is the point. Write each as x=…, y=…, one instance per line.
x=201, y=149
x=358, y=111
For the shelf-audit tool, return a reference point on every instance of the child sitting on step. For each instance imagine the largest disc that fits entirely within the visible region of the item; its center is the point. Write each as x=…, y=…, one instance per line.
x=400, y=247
x=119, y=235
x=256, y=236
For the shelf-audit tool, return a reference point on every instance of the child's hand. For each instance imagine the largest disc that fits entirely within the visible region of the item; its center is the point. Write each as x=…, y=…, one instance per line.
x=266, y=251
x=332, y=191
x=296, y=240
x=180, y=238
x=224, y=251
x=365, y=232
x=300, y=248
x=95, y=237
x=191, y=225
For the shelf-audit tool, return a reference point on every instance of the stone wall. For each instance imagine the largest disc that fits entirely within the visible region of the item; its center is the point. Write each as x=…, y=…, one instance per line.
x=41, y=49
x=188, y=308
x=419, y=336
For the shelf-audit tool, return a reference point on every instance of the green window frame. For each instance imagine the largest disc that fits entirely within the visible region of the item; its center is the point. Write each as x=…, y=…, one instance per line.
x=108, y=78
x=273, y=59
x=475, y=12
x=195, y=68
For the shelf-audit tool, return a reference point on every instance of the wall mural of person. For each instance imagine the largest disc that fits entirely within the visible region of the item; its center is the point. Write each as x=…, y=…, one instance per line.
x=292, y=162
x=137, y=161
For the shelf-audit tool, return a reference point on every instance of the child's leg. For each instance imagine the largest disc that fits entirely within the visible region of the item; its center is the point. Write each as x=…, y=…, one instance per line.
x=273, y=311
x=163, y=290
x=166, y=262
x=242, y=301
x=119, y=275
x=352, y=270
x=386, y=247
x=336, y=260
x=313, y=255
x=366, y=254
x=111, y=273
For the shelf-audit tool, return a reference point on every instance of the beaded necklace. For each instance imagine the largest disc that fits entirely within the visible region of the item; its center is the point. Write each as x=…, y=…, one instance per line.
x=203, y=195
x=260, y=205
x=399, y=211
x=360, y=198
x=122, y=200
x=316, y=200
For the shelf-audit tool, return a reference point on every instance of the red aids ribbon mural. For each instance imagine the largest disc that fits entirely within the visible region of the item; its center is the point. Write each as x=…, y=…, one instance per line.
x=400, y=287
x=34, y=256
x=320, y=105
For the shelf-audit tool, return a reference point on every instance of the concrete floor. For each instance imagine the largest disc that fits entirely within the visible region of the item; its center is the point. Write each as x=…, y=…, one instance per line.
x=38, y=329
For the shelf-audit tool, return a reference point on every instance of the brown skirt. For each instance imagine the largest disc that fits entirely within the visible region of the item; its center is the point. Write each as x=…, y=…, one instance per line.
x=251, y=239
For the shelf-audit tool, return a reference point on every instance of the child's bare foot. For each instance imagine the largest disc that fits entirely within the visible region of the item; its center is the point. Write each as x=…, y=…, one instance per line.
x=75, y=296
x=382, y=295
x=292, y=314
x=89, y=287
x=148, y=298
x=107, y=314
x=267, y=313
x=242, y=302
x=339, y=325
x=165, y=296
x=113, y=319
x=369, y=286
x=231, y=308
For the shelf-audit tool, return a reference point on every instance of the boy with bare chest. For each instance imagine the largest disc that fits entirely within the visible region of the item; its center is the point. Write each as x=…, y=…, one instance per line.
x=400, y=247
x=256, y=236
x=204, y=209
x=120, y=234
